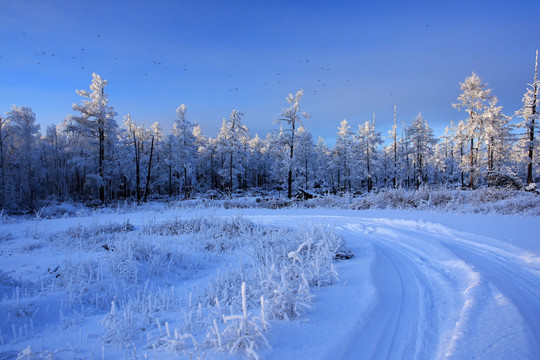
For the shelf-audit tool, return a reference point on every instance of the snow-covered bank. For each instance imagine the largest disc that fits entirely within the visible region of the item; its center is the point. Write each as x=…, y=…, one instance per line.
x=425, y=284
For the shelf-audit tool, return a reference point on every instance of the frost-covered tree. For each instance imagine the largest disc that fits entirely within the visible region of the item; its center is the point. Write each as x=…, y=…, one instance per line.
x=393, y=150
x=531, y=119
x=184, y=150
x=496, y=138
x=4, y=131
x=304, y=155
x=232, y=143
x=292, y=116
x=474, y=99
x=368, y=140
x=323, y=175
x=137, y=143
x=344, y=155
x=444, y=158
x=53, y=149
x=422, y=140
x=23, y=155
x=158, y=168
x=204, y=171
x=255, y=162
x=96, y=123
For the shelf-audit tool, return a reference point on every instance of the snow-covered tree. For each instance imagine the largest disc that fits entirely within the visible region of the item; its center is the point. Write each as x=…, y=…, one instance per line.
x=368, y=140
x=137, y=143
x=232, y=143
x=322, y=172
x=343, y=155
x=497, y=137
x=184, y=150
x=304, y=155
x=531, y=122
x=292, y=116
x=444, y=157
x=474, y=99
x=393, y=150
x=96, y=123
x=4, y=131
x=23, y=151
x=421, y=139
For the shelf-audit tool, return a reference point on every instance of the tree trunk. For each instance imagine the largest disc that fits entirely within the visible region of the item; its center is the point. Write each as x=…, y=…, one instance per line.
x=306, y=182
x=101, y=163
x=186, y=185
x=137, y=168
x=231, y=172
x=3, y=177
x=531, y=129
x=290, y=178
x=471, y=180
x=149, y=171
x=170, y=176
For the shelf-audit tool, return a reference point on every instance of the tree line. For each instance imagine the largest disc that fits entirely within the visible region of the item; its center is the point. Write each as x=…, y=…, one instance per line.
x=89, y=156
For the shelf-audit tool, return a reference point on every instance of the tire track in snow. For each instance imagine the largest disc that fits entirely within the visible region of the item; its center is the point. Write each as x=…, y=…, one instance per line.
x=494, y=307
x=442, y=294
x=402, y=325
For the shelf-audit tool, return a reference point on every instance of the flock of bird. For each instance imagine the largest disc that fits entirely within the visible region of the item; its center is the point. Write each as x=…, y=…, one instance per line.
x=41, y=55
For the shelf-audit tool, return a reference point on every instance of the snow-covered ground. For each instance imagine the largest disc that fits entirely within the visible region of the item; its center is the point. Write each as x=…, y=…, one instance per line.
x=420, y=285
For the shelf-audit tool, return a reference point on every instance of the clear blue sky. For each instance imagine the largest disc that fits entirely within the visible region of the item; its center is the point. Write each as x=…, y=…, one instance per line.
x=351, y=58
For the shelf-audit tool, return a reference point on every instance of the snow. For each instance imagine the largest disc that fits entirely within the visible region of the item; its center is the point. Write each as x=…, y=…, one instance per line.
x=420, y=285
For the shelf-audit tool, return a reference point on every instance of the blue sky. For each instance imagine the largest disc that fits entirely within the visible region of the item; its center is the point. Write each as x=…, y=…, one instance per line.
x=351, y=58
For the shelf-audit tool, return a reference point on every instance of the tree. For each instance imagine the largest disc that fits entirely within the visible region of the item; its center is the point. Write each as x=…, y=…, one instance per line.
x=4, y=131
x=394, y=149
x=96, y=123
x=368, y=140
x=473, y=99
x=444, y=159
x=24, y=146
x=530, y=115
x=304, y=154
x=422, y=140
x=135, y=140
x=259, y=162
x=232, y=141
x=497, y=136
x=293, y=117
x=184, y=149
x=344, y=154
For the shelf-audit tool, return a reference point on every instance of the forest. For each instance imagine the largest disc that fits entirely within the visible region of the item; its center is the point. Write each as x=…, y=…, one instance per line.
x=89, y=157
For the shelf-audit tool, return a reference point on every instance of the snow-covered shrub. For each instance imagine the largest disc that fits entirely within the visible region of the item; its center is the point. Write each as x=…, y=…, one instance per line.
x=89, y=236
x=55, y=209
x=214, y=226
x=83, y=281
x=241, y=332
x=19, y=311
x=122, y=327
x=288, y=271
x=482, y=200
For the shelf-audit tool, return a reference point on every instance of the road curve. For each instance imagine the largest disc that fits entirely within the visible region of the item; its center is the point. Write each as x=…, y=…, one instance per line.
x=444, y=295
x=440, y=293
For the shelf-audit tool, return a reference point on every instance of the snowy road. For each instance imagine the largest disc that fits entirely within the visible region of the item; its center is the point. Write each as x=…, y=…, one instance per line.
x=432, y=293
